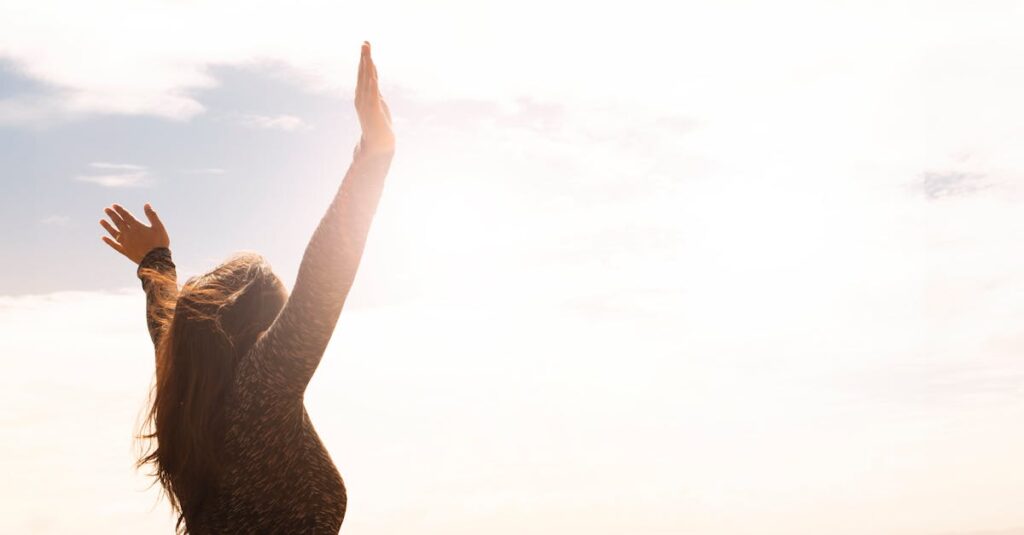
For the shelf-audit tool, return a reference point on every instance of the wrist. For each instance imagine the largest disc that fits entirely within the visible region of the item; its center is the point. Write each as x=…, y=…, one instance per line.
x=378, y=148
x=156, y=257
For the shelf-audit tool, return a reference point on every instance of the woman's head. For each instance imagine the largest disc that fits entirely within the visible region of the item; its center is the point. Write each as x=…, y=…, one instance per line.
x=214, y=321
x=238, y=299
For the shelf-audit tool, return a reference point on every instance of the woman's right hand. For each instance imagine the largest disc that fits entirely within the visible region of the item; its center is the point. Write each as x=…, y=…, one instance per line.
x=374, y=116
x=131, y=237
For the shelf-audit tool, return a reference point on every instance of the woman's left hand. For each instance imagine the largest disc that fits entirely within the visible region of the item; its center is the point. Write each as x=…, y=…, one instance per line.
x=131, y=237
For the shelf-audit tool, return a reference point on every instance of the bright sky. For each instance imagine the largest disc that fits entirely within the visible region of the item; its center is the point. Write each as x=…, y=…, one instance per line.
x=724, y=268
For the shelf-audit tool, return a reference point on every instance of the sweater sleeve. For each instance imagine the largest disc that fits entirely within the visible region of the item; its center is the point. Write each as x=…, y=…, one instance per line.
x=159, y=281
x=290, y=350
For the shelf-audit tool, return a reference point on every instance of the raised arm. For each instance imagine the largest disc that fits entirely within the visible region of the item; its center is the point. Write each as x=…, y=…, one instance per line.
x=291, y=349
x=160, y=282
x=146, y=246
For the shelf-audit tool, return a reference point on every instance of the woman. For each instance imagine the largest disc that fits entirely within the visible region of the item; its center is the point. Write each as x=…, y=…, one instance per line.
x=234, y=449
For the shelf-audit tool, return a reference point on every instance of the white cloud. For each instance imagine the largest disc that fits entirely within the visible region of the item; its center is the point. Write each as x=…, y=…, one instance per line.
x=128, y=175
x=122, y=180
x=565, y=399
x=284, y=122
x=206, y=171
x=56, y=220
x=738, y=59
x=117, y=166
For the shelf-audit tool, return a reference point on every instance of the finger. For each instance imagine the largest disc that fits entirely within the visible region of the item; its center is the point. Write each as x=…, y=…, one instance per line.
x=126, y=215
x=367, y=60
x=113, y=245
x=154, y=219
x=116, y=218
x=375, y=82
x=371, y=74
x=361, y=76
x=110, y=229
x=387, y=110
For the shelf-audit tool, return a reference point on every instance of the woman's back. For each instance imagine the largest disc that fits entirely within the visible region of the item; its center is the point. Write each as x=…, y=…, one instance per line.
x=278, y=476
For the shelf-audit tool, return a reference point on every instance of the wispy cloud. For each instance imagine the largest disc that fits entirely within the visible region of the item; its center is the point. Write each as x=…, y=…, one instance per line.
x=55, y=220
x=117, y=166
x=117, y=175
x=205, y=171
x=948, y=184
x=284, y=122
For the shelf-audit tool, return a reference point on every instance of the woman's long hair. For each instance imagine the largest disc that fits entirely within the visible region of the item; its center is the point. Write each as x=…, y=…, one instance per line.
x=204, y=332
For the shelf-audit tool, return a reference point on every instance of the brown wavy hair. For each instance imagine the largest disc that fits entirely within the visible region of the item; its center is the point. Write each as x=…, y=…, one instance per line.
x=204, y=331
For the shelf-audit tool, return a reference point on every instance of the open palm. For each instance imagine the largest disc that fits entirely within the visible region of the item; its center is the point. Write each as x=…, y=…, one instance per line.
x=373, y=112
x=131, y=237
